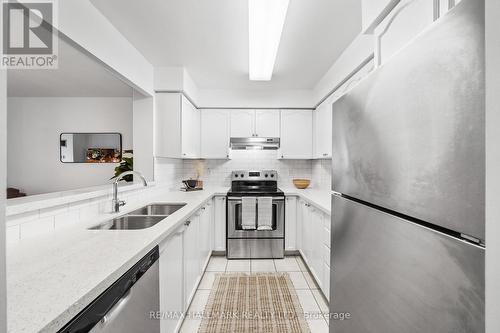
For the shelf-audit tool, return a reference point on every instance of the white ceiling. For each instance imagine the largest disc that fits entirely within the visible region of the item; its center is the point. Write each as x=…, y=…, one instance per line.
x=77, y=75
x=210, y=38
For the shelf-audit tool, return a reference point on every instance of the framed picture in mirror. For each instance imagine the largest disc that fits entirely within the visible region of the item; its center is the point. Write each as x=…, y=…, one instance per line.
x=90, y=147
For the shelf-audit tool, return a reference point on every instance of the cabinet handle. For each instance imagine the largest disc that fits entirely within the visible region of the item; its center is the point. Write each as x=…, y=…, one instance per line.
x=187, y=223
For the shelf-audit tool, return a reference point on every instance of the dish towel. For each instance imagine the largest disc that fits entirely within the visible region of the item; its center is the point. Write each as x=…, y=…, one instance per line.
x=248, y=221
x=265, y=213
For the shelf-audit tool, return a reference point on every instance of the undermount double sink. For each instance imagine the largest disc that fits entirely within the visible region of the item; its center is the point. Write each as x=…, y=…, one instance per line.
x=142, y=218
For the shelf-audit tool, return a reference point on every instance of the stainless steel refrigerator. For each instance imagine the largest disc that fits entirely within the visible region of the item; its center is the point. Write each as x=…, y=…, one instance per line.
x=408, y=180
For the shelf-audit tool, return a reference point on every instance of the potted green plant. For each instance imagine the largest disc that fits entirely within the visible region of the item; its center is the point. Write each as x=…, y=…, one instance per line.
x=126, y=164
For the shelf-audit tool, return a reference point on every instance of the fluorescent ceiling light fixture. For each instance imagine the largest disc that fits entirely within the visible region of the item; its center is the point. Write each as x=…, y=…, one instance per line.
x=265, y=20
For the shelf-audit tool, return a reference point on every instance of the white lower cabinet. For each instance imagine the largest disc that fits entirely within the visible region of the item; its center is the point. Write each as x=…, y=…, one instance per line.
x=192, y=263
x=205, y=235
x=291, y=224
x=312, y=243
x=171, y=282
x=183, y=259
x=219, y=223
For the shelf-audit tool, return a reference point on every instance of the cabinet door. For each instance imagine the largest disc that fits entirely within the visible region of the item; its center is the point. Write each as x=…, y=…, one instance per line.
x=296, y=134
x=306, y=233
x=300, y=216
x=267, y=123
x=316, y=247
x=323, y=132
x=214, y=134
x=205, y=227
x=190, y=130
x=171, y=280
x=220, y=224
x=291, y=224
x=168, y=125
x=191, y=259
x=242, y=123
x=209, y=212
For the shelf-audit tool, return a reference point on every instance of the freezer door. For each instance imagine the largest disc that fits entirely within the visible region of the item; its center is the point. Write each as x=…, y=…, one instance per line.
x=392, y=275
x=410, y=137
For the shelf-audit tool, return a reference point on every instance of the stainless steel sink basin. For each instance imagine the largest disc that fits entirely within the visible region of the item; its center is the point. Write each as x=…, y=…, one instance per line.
x=129, y=222
x=158, y=209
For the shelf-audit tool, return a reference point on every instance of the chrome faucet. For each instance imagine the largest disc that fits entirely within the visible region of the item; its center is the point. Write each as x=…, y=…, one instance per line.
x=118, y=203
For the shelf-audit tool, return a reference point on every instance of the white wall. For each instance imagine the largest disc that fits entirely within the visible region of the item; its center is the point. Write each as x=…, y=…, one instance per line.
x=84, y=24
x=143, y=125
x=34, y=126
x=492, y=167
x=352, y=57
x=255, y=98
x=178, y=79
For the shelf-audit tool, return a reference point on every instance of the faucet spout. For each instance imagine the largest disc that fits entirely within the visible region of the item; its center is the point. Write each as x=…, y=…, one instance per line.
x=118, y=203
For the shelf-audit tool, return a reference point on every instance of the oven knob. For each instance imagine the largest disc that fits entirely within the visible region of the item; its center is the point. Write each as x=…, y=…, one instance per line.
x=241, y=175
x=236, y=175
x=272, y=175
x=266, y=175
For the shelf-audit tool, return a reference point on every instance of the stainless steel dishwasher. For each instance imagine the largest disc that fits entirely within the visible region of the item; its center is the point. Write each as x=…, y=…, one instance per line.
x=127, y=306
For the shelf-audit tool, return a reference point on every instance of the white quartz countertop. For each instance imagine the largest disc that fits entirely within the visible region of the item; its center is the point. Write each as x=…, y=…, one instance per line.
x=319, y=198
x=52, y=278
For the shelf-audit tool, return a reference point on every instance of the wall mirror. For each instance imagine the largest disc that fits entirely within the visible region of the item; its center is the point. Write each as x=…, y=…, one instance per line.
x=90, y=147
x=67, y=127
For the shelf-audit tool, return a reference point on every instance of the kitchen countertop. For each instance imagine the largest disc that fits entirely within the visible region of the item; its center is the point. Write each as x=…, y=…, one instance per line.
x=319, y=198
x=52, y=278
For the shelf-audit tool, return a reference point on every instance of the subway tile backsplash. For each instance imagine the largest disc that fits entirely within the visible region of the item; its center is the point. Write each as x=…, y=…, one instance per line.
x=218, y=172
x=168, y=175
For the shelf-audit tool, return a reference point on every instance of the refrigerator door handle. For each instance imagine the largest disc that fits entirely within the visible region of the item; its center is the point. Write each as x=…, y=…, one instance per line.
x=472, y=239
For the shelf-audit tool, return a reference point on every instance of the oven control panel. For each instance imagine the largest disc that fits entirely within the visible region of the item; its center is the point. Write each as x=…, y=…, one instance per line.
x=271, y=175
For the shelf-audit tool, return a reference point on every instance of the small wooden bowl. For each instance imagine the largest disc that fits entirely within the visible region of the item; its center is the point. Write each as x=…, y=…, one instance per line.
x=301, y=183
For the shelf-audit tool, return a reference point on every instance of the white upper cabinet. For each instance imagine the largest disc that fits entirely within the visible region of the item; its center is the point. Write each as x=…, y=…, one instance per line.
x=296, y=134
x=215, y=134
x=323, y=130
x=242, y=123
x=267, y=123
x=190, y=130
x=255, y=123
x=177, y=127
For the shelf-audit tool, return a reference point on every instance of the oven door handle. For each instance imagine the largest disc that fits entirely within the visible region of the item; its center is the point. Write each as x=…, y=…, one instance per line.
x=239, y=199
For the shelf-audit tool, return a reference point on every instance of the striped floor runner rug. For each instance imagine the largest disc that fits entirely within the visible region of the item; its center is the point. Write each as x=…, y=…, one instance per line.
x=248, y=303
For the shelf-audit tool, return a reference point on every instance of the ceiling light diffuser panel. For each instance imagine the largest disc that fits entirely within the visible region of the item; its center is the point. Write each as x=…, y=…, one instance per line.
x=266, y=19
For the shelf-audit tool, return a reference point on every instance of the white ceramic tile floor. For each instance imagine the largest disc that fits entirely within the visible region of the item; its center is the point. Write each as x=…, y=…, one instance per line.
x=311, y=300
x=238, y=266
x=289, y=264
x=262, y=266
x=310, y=280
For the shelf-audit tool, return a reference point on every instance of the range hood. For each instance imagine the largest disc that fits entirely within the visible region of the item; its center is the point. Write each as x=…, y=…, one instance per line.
x=254, y=143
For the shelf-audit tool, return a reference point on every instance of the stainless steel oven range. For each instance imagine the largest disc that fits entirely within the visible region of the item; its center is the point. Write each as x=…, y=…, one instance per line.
x=267, y=202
